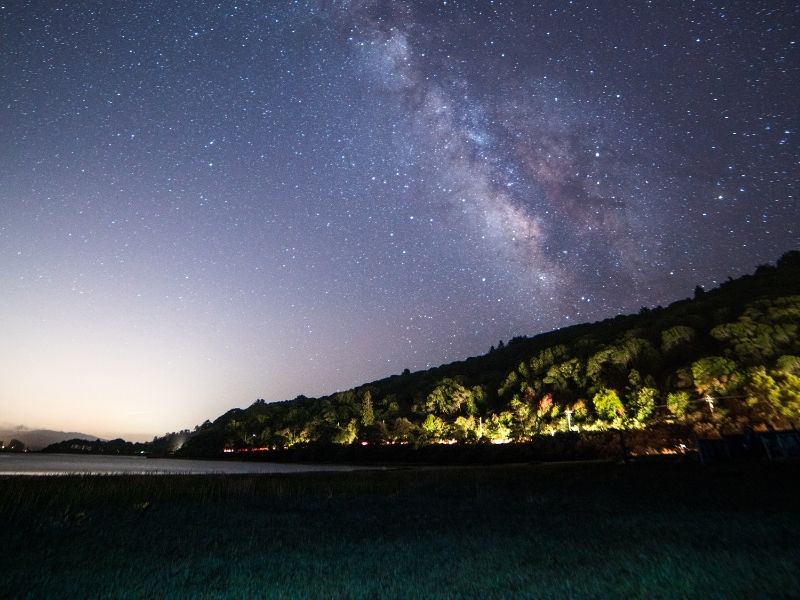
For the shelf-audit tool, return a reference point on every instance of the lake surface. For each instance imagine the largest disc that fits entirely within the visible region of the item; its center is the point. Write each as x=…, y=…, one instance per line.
x=78, y=464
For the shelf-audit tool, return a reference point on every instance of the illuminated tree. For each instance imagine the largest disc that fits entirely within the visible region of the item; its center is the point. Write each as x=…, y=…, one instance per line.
x=509, y=384
x=678, y=403
x=639, y=398
x=403, y=430
x=498, y=426
x=347, y=434
x=713, y=374
x=774, y=396
x=607, y=405
x=433, y=427
x=527, y=416
x=449, y=397
x=579, y=411
x=562, y=375
x=522, y=369
x=642, y=405
x=788, y=364
x=545, y=406
x=465, y=428
x=367, y=414
x=765, y=329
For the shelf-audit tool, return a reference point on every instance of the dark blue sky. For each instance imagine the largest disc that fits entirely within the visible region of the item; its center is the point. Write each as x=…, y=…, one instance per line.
x=203, y=204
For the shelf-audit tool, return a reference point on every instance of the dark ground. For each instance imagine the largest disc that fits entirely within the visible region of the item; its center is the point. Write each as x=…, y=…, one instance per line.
x=596, y=529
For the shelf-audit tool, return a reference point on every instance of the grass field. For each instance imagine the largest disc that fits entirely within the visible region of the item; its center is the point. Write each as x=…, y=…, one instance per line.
x=527, y=531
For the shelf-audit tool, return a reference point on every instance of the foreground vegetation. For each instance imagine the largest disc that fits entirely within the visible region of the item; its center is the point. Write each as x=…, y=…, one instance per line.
x=553, y=530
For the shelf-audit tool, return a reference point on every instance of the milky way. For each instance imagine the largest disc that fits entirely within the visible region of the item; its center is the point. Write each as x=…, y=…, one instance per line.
x=205, y=204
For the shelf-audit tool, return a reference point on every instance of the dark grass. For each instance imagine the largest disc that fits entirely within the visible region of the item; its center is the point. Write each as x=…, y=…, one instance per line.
x=551, y=530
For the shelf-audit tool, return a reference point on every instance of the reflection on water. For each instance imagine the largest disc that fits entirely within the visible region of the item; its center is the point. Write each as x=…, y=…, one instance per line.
x=77, y=464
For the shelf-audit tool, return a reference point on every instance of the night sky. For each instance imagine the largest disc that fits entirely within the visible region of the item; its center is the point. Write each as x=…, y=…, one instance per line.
x=204, y=204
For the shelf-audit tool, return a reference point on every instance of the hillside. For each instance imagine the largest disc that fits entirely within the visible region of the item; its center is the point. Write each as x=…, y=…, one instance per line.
x=36, y=439
x=723, y=360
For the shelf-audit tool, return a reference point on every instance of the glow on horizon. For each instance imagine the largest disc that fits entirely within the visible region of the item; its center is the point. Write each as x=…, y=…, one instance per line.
x=103, y=369
x=201, y=207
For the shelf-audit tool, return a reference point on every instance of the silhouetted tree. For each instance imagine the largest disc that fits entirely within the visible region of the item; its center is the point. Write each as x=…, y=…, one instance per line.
x=15, y=446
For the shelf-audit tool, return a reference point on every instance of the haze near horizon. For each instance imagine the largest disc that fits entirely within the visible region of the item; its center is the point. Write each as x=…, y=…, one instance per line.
x=202, y=205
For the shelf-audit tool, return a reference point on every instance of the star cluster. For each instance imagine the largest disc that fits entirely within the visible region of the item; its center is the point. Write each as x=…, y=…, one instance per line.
x=202, y=204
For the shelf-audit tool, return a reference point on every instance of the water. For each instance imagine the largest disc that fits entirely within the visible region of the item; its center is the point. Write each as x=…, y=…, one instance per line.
x=78, y=464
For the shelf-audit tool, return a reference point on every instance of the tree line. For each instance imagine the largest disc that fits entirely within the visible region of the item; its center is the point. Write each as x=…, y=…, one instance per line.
x=726, y=359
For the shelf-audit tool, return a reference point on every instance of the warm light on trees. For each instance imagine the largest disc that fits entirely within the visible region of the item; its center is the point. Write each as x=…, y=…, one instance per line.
x=642, y=405
x=607, y=404
x=367, y=414
x=347, y=434
x=433, y=427
x=713, y=374
x=449, y=397
x=678, y=403
x=403, y=430
x=723, y=362
x=498, y=427
x=775, y=395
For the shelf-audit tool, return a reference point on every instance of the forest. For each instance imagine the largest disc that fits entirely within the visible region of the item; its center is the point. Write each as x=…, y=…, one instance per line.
x=724, y=360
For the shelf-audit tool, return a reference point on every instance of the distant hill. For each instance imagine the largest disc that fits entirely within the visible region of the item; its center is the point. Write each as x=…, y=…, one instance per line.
x=725, y=359
x=115, y=446
x=37, y=439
